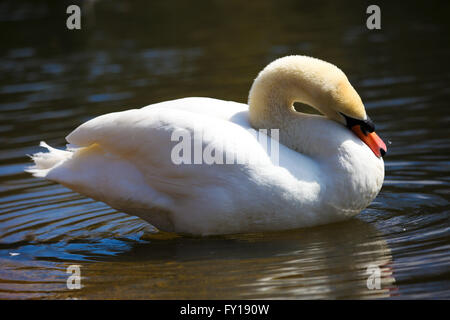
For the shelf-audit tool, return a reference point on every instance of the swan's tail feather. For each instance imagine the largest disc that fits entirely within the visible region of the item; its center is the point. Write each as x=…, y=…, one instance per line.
x=45, y=161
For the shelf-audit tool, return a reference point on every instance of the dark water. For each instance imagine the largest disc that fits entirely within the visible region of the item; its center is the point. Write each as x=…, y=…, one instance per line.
x=131, y=54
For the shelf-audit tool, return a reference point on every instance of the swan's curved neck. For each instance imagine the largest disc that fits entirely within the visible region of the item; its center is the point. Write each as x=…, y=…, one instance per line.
x=270, y=106
x=272, y=97
x=303, y=79
x=271, y=102
x=293, y=79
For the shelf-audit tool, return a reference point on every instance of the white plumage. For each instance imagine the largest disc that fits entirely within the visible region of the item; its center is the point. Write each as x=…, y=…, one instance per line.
x=325, y=173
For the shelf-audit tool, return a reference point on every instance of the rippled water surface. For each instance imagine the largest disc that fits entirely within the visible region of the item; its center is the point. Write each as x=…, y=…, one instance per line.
x=131, y=54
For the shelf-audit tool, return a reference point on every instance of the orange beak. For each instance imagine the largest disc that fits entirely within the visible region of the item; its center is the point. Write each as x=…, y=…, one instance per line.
x=372, y=140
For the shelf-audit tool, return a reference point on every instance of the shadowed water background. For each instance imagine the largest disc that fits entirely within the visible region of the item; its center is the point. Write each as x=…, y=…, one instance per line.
x=131, y=54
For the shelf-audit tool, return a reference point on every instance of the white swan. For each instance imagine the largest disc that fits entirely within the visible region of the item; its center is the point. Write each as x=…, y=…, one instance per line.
x=325, y=173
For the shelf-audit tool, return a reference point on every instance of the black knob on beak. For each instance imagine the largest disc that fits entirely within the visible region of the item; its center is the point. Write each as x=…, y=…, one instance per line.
x=367, y=126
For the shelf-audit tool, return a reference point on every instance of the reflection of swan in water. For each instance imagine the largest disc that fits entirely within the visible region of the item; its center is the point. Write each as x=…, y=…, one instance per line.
x=335, y=265
x=324, y=262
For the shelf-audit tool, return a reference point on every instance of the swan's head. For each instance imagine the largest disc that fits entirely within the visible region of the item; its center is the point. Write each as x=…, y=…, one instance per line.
x=314, y=82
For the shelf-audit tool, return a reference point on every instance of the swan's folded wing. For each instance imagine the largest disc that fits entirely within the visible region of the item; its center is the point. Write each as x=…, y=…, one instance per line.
x=172, y=149
x=150, y=135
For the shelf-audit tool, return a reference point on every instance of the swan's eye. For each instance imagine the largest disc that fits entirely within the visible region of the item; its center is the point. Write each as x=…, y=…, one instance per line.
x=367, y=126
